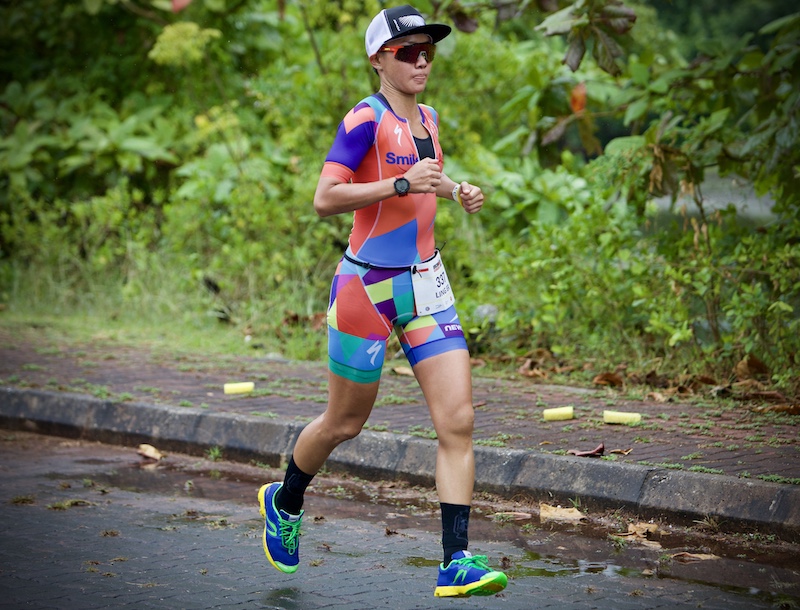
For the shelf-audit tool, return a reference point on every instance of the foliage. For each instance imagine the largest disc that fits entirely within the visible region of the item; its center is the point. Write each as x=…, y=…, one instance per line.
x=703, y=20
x=162, y=154
x=595, y=277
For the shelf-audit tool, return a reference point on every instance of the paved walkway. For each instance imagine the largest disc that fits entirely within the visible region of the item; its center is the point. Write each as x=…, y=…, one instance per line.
x=692, y=457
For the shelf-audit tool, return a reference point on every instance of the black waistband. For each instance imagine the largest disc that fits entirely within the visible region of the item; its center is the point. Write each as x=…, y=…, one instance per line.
x=378, y=267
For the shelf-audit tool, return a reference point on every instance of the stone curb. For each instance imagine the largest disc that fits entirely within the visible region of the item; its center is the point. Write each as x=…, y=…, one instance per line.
x=649, y=491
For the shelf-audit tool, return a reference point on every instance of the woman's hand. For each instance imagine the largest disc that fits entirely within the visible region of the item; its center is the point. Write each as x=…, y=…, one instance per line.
x=424, y=176
x=471, y=198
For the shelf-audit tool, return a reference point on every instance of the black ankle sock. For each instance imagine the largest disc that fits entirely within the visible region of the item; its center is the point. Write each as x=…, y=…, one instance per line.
x=290, y=497
x=455, y=527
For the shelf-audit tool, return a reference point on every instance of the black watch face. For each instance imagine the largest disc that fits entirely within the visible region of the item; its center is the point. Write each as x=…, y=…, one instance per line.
x=402, y=186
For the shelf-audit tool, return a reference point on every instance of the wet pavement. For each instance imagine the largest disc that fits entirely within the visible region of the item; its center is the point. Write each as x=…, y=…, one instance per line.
x=87, y=525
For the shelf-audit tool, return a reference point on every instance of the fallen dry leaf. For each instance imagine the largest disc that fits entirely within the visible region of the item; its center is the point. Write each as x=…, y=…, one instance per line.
x=772, y=395
x=749, y=385
x=512, y=516
x=621, y=451
x=692, y=557
x=404, y=371
x=720, y=391
x=542, y=356
x=150, y=452
x=788, y=409
x=557, y=513
x=528, y=369
x=706, y=380
x=596, y=452
x=682, y=391
x=319, y=321
x=610, y=379
x=749, y=367
x=659, y=397
x=695, y=383
x=641, y=530
x=654, y=380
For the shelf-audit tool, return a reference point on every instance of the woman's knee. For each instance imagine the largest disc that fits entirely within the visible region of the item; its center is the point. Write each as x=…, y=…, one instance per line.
x=459, y=422
x=341, y=430
x=351, y=429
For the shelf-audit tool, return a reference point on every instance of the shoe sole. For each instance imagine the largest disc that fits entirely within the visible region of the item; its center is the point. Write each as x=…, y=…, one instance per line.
x=491, y=584
x=262, y=508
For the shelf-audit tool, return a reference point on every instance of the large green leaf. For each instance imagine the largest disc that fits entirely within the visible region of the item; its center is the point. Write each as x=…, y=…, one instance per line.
x=563, y=21
x=148, y=149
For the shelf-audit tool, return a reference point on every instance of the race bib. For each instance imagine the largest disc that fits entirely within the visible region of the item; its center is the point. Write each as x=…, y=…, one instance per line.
x=432, y=291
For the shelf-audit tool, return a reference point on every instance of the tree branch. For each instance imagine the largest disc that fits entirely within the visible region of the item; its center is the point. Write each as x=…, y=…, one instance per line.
x=141, y=12
x=311, y=38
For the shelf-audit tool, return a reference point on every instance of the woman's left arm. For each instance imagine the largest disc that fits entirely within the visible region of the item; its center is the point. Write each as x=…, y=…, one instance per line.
x=471, y=196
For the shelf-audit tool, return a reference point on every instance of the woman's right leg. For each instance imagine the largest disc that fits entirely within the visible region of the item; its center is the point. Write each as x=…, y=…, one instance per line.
x=357, y=334
x=349, y=406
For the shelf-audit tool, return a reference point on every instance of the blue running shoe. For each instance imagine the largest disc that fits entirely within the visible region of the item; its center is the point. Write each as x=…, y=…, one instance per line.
x=467, y=575
x=281, y=536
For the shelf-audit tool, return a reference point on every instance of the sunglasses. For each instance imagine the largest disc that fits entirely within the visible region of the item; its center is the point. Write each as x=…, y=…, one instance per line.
x=410, y=53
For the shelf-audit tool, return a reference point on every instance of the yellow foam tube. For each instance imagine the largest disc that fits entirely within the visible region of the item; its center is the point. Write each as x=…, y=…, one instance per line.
x=558, y=414
x=239, y=388
x=621, y=417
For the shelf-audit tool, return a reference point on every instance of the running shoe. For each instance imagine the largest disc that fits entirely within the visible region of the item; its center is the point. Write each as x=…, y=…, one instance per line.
x=281, y=536
x=467, y=575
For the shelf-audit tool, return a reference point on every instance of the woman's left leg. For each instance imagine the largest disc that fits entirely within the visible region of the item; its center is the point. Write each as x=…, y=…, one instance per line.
x=446, y=382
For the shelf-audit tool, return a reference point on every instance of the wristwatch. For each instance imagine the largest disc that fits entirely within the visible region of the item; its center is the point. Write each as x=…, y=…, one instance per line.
x=401, y=185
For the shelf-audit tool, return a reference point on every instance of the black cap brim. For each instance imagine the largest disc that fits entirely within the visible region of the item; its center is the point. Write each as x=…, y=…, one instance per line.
x=437, y=31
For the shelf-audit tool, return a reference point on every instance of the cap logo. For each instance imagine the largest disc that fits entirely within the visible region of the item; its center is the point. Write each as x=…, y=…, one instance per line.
x=410, y=21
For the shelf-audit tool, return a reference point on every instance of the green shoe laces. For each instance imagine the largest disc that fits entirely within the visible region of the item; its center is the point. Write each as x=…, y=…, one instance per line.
x=476, y=561
x=290, y=533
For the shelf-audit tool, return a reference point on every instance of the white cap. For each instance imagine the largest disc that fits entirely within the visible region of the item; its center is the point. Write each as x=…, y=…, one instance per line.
x=400, y=21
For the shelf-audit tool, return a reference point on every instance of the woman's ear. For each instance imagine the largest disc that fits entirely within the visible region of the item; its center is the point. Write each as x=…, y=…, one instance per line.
x=376, y=64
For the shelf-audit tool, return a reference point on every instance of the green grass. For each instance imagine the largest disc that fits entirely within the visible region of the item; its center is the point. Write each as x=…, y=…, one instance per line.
x=706, y=470
x=498, y=440
x=422, y=432
x=774, y=478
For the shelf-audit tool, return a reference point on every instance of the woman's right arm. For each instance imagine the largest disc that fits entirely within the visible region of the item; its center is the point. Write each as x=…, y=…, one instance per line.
x=333, y=196
x=336, y=197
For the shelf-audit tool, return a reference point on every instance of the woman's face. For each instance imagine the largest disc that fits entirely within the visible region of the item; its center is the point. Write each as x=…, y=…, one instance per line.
x=409, y=78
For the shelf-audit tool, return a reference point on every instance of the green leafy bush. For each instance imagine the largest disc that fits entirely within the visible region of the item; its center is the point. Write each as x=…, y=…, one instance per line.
x=162, y=162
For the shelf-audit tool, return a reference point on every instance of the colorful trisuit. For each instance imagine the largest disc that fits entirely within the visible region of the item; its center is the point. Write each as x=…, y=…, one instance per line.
x=371, y=293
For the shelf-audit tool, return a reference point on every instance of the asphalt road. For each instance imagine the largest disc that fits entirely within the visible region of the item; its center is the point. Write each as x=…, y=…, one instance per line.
x=86, y=525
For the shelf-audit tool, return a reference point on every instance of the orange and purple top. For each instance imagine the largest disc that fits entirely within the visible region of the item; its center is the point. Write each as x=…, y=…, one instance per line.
x=373, y=144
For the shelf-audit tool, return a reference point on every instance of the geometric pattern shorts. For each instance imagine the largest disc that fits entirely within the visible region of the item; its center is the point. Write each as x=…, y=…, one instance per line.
x=365, y=306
